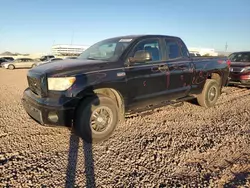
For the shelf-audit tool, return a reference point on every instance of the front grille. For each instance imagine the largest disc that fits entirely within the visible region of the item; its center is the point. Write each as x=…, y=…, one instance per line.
x=35, y=85
x=236, y=69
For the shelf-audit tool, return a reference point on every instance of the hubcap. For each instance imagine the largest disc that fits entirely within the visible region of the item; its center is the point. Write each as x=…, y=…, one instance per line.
x=101, y=118
x=212, y=94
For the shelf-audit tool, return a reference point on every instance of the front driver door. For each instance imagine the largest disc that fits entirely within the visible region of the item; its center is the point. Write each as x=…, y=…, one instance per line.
x=146, y=81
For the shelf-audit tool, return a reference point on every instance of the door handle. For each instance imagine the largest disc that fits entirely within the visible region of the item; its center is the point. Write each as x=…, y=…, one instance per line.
x=164, y=67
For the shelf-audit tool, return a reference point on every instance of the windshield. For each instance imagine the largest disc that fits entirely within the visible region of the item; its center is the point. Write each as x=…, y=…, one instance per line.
x=240, y=57
x=110, y=49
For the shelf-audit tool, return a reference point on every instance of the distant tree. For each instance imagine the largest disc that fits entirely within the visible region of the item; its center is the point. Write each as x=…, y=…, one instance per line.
x=221, y=55
x=7, y=54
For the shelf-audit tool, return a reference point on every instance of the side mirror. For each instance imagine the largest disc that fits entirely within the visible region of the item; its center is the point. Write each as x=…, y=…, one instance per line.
x=140, y=57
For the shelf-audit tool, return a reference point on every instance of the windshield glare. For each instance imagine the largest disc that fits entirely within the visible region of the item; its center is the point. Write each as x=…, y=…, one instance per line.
x=110, y=49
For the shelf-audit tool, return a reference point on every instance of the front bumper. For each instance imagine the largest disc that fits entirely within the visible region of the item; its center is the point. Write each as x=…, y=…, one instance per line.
x=48, y=111
x=243, y=80
x=4, y=66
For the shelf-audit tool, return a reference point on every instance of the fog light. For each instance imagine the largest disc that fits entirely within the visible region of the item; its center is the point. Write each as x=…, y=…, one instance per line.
x=53, y=117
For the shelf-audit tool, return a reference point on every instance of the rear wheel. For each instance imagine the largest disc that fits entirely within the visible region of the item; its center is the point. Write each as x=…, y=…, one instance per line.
x=11, y=67
x=210, y=94
x=96, y=118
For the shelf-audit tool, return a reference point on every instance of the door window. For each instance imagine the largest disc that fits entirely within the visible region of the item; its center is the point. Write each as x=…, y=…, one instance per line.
x=150, y=45
x=172, y=49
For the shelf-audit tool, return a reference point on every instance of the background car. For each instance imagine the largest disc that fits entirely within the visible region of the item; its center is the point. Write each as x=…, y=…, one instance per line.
x=49, y=61
x=194, y=54
x=46, y=57
x=70, y=58
x=19, y=63
x=8, y=58
x=240, y=68
x=2, y=60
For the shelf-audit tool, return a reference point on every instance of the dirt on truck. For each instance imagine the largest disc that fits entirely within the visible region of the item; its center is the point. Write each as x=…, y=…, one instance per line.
x=120, y=76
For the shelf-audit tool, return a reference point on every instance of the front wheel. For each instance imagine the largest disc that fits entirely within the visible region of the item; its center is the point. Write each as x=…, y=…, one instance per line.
x=96, y=118
x=210, y=94
x=11, y=67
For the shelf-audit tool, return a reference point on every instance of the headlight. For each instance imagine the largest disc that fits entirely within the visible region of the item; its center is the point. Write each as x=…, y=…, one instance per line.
x=246, y=69
x=60, y=84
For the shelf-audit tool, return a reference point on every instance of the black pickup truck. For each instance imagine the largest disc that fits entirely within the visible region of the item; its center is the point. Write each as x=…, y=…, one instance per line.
x=118, y=76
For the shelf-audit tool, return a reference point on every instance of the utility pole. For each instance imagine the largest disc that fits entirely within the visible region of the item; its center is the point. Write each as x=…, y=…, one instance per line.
x=72, y=37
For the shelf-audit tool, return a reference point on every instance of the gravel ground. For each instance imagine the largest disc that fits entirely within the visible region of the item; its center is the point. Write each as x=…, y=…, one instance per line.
x=175, y=146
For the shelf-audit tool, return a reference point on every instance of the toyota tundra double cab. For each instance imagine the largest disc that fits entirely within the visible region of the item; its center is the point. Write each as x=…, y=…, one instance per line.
x=119, y=76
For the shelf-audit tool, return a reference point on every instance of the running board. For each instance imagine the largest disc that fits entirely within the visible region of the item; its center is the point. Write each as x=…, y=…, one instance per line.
x=165, y=103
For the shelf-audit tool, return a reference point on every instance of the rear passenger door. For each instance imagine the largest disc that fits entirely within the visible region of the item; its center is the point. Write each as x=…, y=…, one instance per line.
x=180, y=68
x=21, y=63
x=18, y=63
x=29, y=63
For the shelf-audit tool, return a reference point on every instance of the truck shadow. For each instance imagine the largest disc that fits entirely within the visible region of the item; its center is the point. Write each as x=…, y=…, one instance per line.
x=240, y=179
x=87, y=151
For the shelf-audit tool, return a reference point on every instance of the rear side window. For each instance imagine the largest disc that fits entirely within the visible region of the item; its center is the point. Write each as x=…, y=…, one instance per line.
x=184, y=51
x=173, y=49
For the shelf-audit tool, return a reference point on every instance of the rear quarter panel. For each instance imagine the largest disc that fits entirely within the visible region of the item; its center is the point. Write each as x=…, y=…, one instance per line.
x=203, y=69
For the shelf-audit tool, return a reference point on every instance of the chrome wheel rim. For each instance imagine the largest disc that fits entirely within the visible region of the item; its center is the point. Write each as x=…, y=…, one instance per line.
x=212, y=94
x=101, y=119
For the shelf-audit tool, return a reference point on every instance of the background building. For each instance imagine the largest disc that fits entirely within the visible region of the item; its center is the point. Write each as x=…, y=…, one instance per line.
x=68, y=50
x=203, y=51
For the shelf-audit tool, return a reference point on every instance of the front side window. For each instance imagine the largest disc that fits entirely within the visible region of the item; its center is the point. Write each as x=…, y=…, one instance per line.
x=110, y=49
x=150, y=45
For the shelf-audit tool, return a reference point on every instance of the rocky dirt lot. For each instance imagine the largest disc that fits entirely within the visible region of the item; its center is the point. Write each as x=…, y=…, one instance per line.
x=176, y=146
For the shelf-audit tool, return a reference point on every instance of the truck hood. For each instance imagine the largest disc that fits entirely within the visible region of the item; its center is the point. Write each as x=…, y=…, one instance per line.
x=71, y=67
x=240, y=64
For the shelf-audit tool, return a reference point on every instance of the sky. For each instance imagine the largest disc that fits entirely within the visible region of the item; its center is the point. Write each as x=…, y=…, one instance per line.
x=33, y=26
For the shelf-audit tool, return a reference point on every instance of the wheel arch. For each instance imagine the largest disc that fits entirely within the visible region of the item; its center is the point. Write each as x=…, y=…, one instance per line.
x=106, y=91
x=12, y=65
x=216, y=76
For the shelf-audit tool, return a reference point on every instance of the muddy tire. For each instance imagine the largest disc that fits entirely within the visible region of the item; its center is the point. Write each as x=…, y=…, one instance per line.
x=11, y=67
x=210, y=94
x=96, y=119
